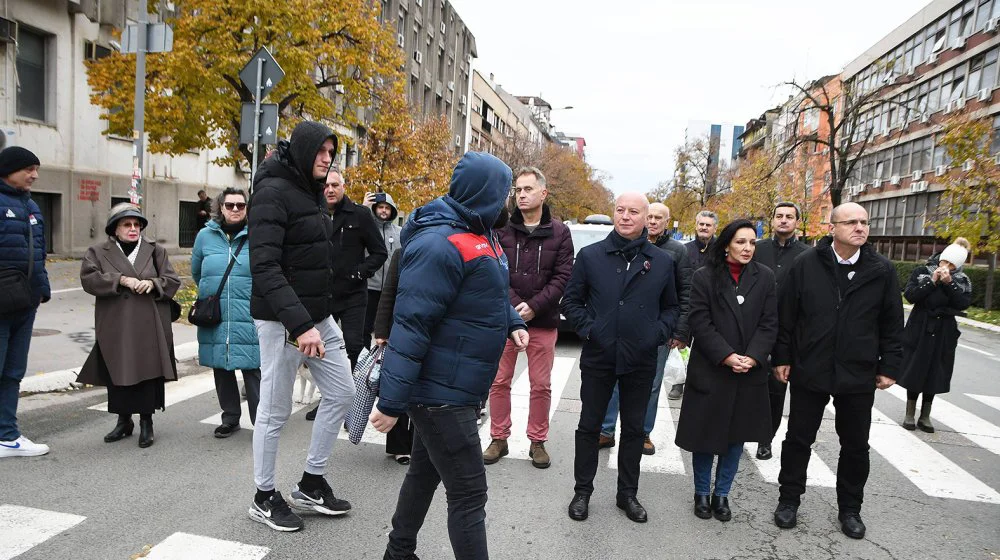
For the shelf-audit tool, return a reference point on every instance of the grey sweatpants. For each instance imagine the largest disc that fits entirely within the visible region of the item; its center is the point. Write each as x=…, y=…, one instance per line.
x=279, y=362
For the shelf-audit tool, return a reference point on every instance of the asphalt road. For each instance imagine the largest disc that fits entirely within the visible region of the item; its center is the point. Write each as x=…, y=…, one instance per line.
x=929, y=495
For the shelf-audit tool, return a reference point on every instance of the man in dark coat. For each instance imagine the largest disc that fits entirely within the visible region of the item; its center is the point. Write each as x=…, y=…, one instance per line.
x=290, y=233
x=451, y=320
x=204, y=206
x=778, y=253
x=20, y=224
x=622, y=301
x=540, y=252
x=656, y=223
x=356, y=253
x=706, y=223
x=841, y=321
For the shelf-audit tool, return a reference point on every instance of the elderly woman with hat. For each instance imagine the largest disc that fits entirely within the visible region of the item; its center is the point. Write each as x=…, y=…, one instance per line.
x=939, y=291
x=133, y=282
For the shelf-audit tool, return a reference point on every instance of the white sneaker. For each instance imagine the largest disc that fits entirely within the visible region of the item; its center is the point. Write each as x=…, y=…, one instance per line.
x=22, y=447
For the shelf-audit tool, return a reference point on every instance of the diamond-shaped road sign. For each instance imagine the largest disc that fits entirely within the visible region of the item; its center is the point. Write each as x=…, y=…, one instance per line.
x=268, y=124
x=270, y=73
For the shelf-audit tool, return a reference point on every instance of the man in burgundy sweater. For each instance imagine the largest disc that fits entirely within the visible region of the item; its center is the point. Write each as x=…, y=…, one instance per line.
x=540, y=257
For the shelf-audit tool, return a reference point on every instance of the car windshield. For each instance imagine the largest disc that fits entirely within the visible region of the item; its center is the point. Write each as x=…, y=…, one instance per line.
x=584, y=237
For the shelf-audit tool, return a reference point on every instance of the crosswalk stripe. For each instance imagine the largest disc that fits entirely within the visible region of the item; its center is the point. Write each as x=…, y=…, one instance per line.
x=175, y=392
x=927, y=469
x=968, y=425
x=520, y=387
x=23, y=528
x=817, y=474
x=185, y=546
x=216, y=419
x=667, y=458
x=520, y=401
x=992, y=402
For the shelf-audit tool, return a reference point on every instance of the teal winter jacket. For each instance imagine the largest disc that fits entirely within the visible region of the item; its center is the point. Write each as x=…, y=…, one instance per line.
x=231, y=344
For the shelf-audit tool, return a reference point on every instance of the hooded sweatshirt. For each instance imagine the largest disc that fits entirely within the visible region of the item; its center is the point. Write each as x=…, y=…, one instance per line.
x=390, y=235
x=453, y=314
x=290, y=232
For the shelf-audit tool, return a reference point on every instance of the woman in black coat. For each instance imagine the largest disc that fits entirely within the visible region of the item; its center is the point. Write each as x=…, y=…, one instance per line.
x=734, y=324
x=938, y=291
x=399, y=440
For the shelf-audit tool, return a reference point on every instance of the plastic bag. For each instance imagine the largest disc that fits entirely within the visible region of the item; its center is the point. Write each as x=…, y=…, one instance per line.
x=675, y=370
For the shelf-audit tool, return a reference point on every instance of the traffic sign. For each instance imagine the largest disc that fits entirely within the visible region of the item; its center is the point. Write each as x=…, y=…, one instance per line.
x=270, y=73
x=268, y=124
x=159, y=38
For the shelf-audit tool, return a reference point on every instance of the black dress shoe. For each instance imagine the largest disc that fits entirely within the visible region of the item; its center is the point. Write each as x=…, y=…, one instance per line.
x=720, y=508
x=764, y=451
x=226, y=430
x=579, y=507
x=851, y=525
x=633, y=509
x=145, y=432
x=311, y=415
x=122, y=430
x=786, y=515
x=701, y=507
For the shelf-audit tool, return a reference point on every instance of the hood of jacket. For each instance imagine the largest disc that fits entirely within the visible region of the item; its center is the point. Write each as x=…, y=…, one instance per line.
x=479, y=187
x=392, y=216
x=293, y=159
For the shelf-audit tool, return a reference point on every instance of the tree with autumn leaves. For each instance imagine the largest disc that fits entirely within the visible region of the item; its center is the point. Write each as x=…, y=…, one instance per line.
x=335, y=53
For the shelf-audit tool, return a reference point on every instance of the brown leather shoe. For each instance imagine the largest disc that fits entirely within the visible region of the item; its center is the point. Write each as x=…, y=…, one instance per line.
x=496, y=450
x=539, y=456
x=605, y=441
x=647, y=447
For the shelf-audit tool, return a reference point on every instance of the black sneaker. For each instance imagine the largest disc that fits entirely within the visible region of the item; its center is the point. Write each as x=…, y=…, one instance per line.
x=226, y=430
x=321, y=500
x=276, y=514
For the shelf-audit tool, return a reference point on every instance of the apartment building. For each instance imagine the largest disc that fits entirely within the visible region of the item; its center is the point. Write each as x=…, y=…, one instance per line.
x=724, y=144
x=941, y=60
x=45, y=107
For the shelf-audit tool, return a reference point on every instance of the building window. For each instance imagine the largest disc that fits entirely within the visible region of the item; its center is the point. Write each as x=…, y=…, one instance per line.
x=995, y=143
x=32, y=74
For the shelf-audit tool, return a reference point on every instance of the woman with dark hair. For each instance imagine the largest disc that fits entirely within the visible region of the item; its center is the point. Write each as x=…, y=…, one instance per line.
x=232, y=344
x=399, y=440
x=734, y=324
x=133, y=281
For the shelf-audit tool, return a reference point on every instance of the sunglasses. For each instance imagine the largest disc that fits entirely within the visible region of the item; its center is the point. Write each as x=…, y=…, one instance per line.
x=234, y=205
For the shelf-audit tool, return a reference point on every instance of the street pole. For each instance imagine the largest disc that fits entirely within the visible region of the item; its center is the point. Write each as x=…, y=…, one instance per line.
x=256, y=123
x=138, y=118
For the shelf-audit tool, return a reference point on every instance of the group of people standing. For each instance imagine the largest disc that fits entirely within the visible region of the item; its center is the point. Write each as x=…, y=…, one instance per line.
x=457, y=293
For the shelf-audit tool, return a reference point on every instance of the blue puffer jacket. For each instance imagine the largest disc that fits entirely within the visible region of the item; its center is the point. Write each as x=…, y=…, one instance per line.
x=17, y=210
x=453, y=314
x=231, y=344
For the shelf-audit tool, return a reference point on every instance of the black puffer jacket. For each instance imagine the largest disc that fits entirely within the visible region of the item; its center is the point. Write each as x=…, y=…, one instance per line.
x=837, y=342
x=356, y=252
x=682, y=279
x=290, y=232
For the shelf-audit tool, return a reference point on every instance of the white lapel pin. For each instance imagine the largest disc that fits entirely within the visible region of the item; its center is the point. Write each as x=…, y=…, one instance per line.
x=740, y=299
x=850, y=275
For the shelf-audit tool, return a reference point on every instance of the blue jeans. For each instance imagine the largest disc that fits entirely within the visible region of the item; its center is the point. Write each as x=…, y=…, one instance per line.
x=15, y=337
x=611, y=418
x=446, y=450
x=724, y=473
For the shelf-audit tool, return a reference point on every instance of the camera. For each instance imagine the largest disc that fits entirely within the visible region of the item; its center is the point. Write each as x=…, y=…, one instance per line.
x=379, y=197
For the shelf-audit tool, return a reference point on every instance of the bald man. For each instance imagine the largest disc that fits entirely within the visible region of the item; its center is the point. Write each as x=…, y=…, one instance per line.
x=622, y=301
x=841, y=318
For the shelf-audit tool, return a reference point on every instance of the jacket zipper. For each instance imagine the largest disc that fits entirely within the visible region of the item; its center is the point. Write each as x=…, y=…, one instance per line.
x=517, y=256
x=538, y=266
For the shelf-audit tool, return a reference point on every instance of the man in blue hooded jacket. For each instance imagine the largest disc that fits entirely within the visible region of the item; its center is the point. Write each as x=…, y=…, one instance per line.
x=451, y=322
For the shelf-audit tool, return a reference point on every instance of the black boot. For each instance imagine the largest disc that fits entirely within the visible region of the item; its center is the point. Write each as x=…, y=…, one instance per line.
x=145, y=430
x=311, y=415
x=701, y=507
x=122, y=430
x=720, y=508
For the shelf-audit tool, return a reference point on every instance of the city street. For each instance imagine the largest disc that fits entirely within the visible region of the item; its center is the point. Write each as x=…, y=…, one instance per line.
x=186, y=497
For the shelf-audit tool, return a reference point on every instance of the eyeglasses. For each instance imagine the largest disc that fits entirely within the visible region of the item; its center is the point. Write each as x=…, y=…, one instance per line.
x=234, y=205
x=853, y=223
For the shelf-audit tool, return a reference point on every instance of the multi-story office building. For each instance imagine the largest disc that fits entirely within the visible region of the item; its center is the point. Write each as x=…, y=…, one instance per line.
x=941, y=60
x=723, y=143
x=440, y=50
x=45, y=107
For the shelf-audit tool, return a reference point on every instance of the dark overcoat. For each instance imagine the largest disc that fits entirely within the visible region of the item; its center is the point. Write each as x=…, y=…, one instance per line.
x=134, y=339
x=722, y=407
x=931, y=333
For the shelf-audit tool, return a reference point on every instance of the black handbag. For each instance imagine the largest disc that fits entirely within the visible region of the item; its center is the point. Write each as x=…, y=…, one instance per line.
x=15, y=286
x=207, y=311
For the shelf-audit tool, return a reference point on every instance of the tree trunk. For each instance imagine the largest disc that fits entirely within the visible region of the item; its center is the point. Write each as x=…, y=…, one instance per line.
x=990, y=272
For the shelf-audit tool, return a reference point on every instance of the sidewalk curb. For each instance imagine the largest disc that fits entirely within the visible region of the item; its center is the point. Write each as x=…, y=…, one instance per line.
x=969, y=322
x=65, y=379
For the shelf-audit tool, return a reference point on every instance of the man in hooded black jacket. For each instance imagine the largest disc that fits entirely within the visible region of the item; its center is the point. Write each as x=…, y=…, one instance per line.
x=290, y=232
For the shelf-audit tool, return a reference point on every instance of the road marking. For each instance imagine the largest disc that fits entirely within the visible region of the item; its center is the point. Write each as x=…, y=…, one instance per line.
x=927, y=469
x=968, y=425
x=23, y=528
x=817, y=474
x=184, y=546
x=216, y=419
x=992, y=402
x=63, y=291
x=667, y=458
x=185, y=388
x=983, y=352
